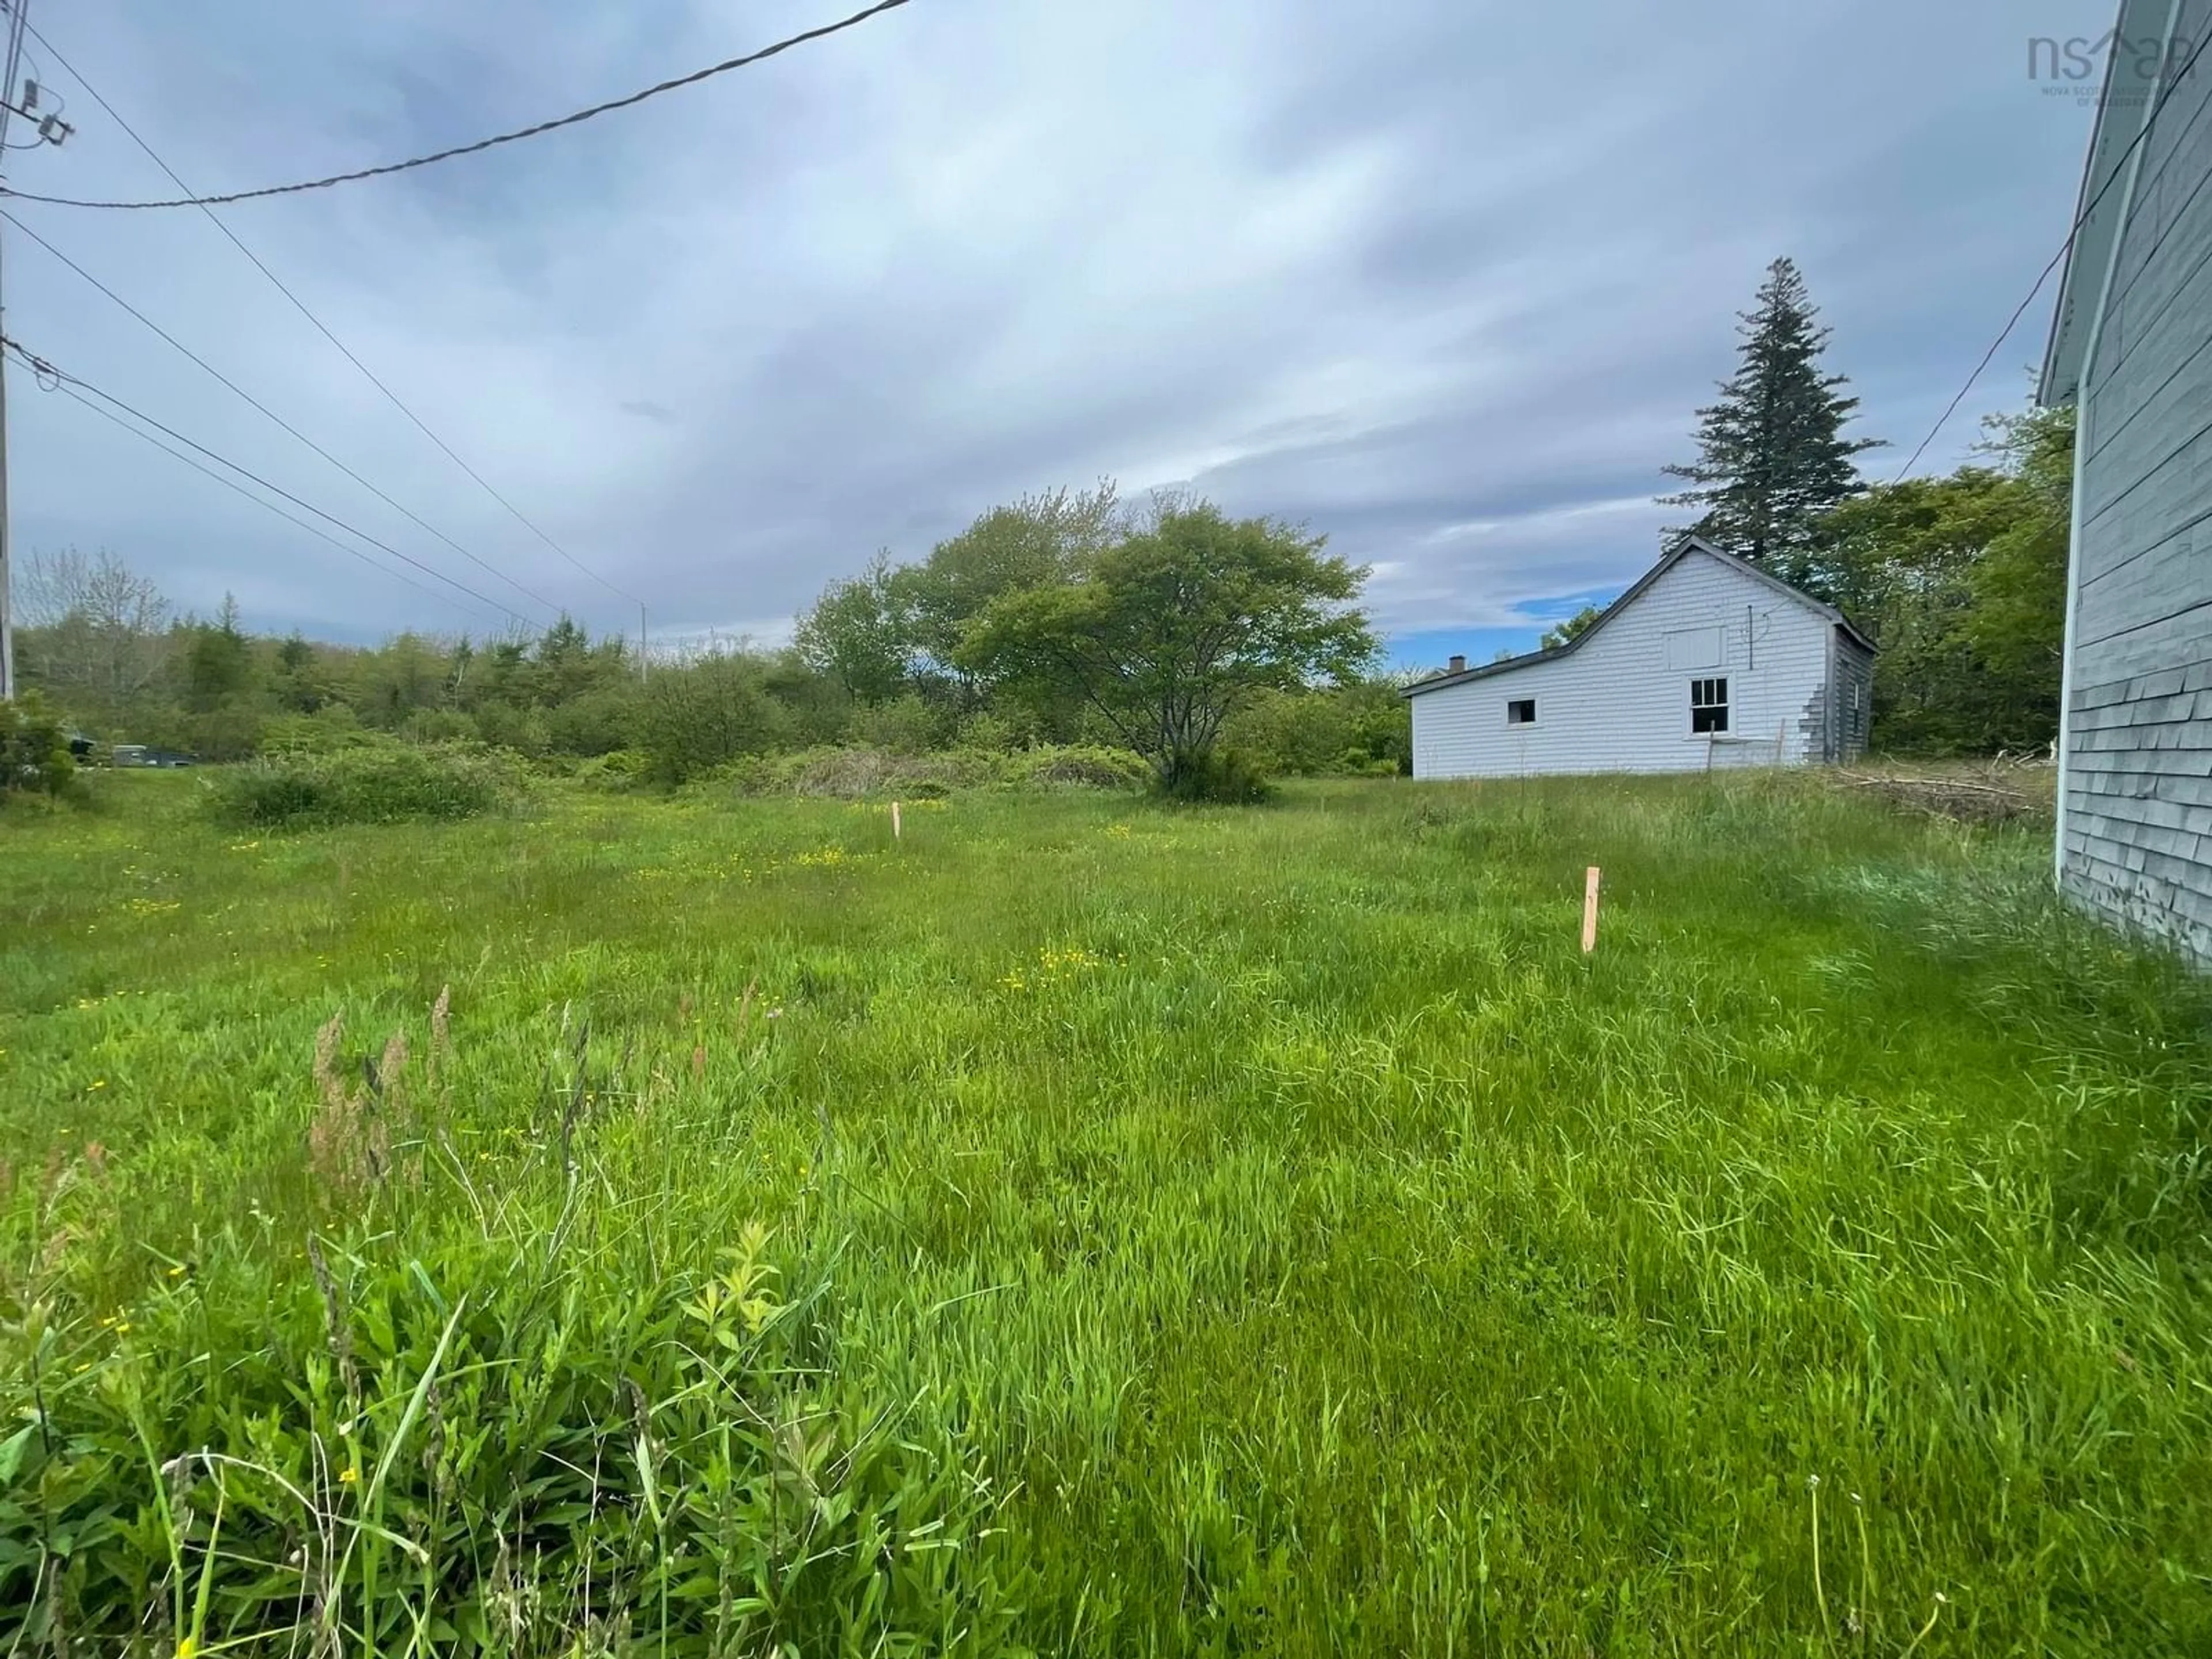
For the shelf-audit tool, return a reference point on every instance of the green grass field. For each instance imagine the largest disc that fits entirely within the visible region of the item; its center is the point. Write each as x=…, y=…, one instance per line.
x=1087, y=1227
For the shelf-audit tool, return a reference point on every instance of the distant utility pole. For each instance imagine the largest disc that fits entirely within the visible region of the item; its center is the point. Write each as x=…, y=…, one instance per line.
x=644, y=646
x=52, y=130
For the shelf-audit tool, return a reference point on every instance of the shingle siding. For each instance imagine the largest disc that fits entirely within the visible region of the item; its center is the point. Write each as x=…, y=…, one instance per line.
x=1853, y=673
x=2138, y=806
x=1615, y=704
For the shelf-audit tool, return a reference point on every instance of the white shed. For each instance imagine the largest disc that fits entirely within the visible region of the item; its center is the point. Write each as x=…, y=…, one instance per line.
x=1706, y=661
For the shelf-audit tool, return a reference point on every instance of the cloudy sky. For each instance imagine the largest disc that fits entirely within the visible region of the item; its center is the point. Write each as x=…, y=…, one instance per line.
x=1444, y=279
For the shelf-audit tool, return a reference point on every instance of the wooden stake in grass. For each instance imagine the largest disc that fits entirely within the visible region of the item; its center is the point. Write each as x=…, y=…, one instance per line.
x=895, y=821
x=1589, y=911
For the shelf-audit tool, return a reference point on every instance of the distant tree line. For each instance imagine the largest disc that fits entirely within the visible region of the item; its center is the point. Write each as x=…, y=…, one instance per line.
x=1219, y=649
x=1960, y=579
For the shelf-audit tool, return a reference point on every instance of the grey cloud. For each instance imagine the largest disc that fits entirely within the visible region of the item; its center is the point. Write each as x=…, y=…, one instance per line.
x=1446, y=283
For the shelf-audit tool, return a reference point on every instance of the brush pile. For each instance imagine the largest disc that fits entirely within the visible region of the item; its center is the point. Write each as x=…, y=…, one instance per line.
x=2004, y=790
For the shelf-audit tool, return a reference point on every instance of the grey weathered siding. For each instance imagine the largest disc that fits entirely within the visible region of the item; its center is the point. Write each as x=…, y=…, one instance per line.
x=2137, y=825
x=1854, y=685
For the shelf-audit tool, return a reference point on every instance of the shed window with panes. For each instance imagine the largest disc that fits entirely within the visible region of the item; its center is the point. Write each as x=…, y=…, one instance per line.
x=1521, y=711
x=1708, y=706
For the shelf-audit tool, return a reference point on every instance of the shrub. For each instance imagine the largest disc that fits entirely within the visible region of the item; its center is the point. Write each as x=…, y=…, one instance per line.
x=438, y=726
x=618, y=770
x=230, y=731
x=706, y=714
x=598, y=722
x=1091, y=768
x=984, y=729
x=906, y=725
x=1223, y=776
x=333, y=726
x=386, y=783
x=35, y=750
x=1359, y=730
x=502, y=726
x=854, y=773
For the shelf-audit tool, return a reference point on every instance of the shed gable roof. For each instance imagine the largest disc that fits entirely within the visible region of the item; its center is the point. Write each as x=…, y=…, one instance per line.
x=1676, y=554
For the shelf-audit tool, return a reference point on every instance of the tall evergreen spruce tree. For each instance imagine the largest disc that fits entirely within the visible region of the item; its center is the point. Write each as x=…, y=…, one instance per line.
x=1772, y=456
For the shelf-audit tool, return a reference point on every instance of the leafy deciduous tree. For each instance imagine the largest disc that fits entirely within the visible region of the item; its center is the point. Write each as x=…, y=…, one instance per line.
x=96, y=632
x=1037, y=542
x=1962, y=580
x=1571, y=629
x=1167, y=633
x=858, y=634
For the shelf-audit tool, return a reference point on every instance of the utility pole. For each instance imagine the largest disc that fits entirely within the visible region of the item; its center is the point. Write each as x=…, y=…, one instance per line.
x=52, y=130
x=7, y=575
x=644, y=660
x=16, y=23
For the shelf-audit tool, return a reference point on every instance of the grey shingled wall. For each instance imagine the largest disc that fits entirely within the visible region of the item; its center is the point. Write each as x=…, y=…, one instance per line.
x=2138, y=807
x=2139, y=796
x=1853, y=698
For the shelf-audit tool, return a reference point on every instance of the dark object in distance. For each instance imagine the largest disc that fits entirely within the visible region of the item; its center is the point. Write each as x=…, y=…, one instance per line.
x=137, y=754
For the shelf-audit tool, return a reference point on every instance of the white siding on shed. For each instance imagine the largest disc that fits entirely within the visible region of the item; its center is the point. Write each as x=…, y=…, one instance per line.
x=1621, y=701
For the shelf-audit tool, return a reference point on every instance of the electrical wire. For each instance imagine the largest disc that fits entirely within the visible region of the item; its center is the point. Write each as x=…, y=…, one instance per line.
x=186, y=352
x=109, y=416
x=2057, y=258
x=481, y=144
x=300, y=305
x=44, y=370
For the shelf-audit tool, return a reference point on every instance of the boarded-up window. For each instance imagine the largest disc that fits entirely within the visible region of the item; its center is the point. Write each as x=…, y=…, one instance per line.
x=1693, y=647
x=1708, y=705
x=1521, y=711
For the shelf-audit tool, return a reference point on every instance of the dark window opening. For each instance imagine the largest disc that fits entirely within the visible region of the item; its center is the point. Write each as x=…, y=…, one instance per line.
x=1708, y=706
x=1521, y=711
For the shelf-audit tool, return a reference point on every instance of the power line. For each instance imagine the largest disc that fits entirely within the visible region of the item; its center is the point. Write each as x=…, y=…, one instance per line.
x=109, y=416
x=322, y=328
x=2065, y=247
x=519, y=134
x=43, y=369
x=420, y=523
